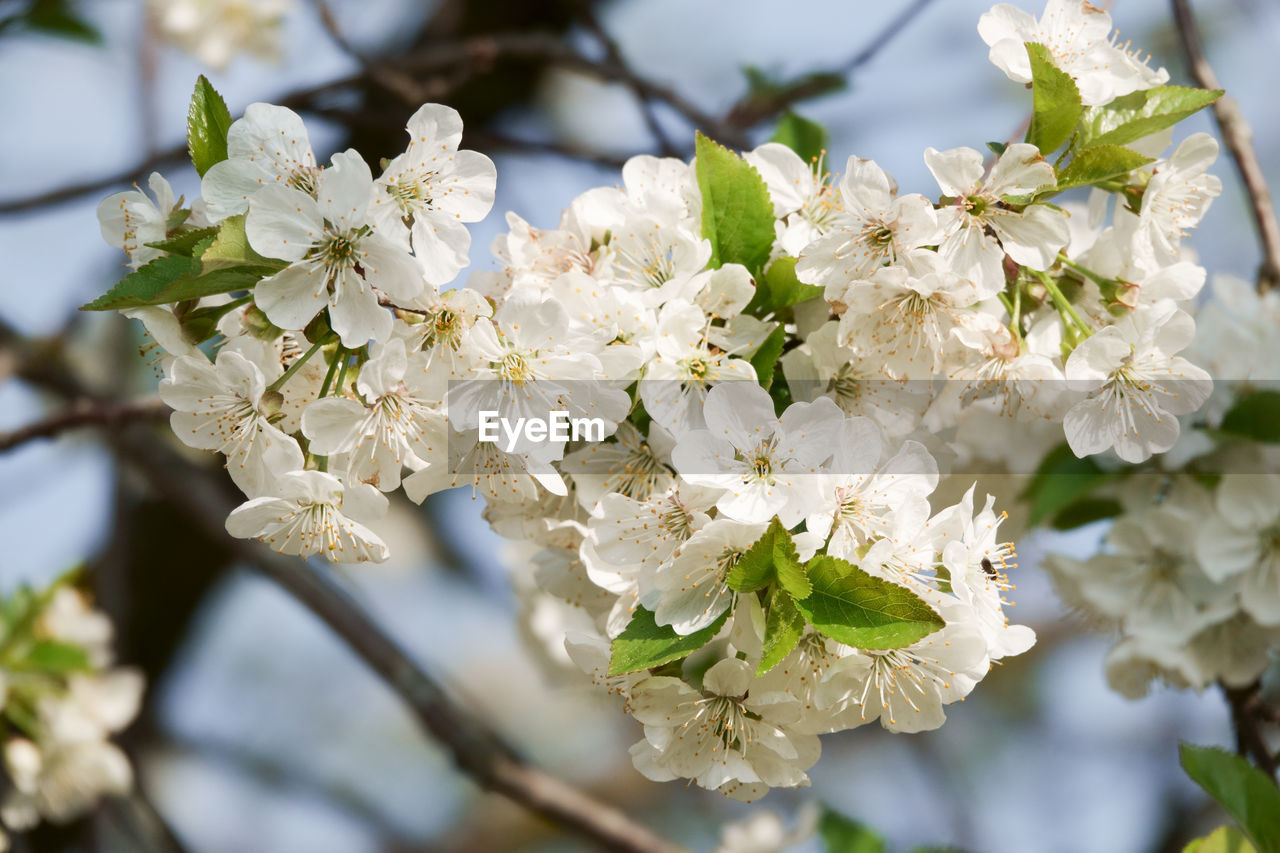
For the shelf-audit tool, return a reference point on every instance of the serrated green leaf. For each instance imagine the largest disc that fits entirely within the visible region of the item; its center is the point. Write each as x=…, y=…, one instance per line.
x=805, y=137
x=184, y=242
x=1060, y=480
x=783, y=626
x=230, y=248
x=1242, y=789
x=1255, y=416
x=173, y=278
x=771, y=557
x=1224, y=839
x=1131, y=117
x=1099, y=163
x=852, y=607
x=644, y=643
x=840, y=834
x=208, y=121
x=737, y=214
x=1056, y=101
x=56, y=657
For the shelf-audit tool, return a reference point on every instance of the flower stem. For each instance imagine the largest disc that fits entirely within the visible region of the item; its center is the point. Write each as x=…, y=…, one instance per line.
x=1065, y=308
x=296, y=366
x=333, y=368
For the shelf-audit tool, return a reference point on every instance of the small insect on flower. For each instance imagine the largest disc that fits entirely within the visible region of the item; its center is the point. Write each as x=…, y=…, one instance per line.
x=988, y=568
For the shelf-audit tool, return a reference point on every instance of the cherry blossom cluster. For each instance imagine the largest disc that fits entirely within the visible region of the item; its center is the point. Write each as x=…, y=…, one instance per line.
x=779, y=365
x=61, y=699
x=215, y=31
x=1189, y=574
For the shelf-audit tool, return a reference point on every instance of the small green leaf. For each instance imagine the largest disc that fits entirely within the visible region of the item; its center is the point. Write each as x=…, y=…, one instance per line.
x=208, y=121
x=737, y=214
x=852, y=607
x=56, y=656
x=997, y=148
x=1085, y=511
x=1255, y=416
x=1056, y=100
x=1099, y=163
x=772, y=557
x=231, y=249
x=783, y=625
x=1061, y=480
x=1131, y=117
x=766, y=358
x=1242, y=789
x=779, y=288
x=184, y=242
x=1224, y=839
x=840, y=834
x=59, y=18
x=644, y=643
x=805, y=137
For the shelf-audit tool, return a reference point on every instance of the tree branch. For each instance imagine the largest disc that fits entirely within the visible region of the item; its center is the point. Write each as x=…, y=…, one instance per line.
x=85, y=413
x=476, y=750
x=1238, y=137
x=1246, y=718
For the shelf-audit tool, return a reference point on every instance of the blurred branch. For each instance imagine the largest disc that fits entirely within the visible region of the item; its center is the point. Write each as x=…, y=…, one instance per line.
x=754, y=108
x=1238, y=136
x=476, y=750
x=95, y=185
x=1247, y=715
x=397, y=83
x=85, y=413
x=441, y=67
x=613, y=52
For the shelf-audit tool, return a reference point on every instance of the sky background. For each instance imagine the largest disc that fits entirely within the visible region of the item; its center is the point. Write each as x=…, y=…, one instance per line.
x=280, y=740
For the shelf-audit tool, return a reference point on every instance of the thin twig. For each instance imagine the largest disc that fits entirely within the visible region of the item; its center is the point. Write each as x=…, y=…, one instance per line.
x=611, y=49
x=85, y=413
x=394, y=81
x=1238, y=137
x=94, y=185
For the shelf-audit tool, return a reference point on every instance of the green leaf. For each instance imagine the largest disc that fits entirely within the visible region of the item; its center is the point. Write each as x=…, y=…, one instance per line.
x=997, y=148
x=765, y=359
x=1059, y=481
x=59, y=18
x=779, y=288
x=772, y=557
x=1099, y=163
x=56, y=656
x=231, y=249
x=1085, y=511
x=840, y=834
x=208, y=121
x=173, y=278
x=1242, y=789
x=1224, y=839
x=805, y=137
x=783, y=625
x=1056, y=100
x=852, y=607
x=644, y=643
x=737, y=214
x=1131, y=117
x=185, y=242
x=1255, y=416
